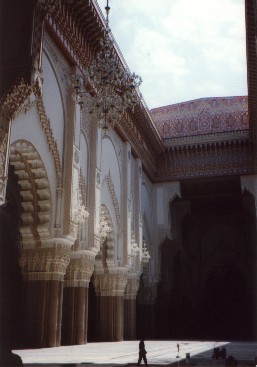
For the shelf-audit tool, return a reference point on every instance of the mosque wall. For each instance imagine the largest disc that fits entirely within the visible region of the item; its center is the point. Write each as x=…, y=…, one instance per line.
x=61, y=161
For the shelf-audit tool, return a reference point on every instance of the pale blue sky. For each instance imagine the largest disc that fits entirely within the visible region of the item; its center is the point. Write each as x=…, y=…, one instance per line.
x=182, y=49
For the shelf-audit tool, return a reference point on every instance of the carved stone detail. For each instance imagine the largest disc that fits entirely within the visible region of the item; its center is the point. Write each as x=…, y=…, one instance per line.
x=48, y=263
x=48, y=6
x=12, y=103
x=46, y=126
x=112, y=282
x=35, y=194
x=80, y=269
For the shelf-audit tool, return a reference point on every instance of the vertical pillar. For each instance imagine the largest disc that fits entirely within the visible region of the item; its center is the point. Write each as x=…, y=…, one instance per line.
x=94, y=202
x=75, y=298
x=130, y=306
x=110, y=287
x=126, y=200
x=43, y=272
x=138, y=210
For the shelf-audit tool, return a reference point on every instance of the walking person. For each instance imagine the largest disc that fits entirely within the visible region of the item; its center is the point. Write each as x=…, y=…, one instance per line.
x=178, y=350
x=142, y=353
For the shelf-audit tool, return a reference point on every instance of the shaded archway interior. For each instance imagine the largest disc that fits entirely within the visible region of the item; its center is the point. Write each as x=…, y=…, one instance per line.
x=11, y=279
x=207, y=288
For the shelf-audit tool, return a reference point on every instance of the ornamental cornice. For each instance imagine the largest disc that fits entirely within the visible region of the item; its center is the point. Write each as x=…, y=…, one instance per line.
x=111, y=283
x=47, y=6
x=204, y=140
x=78, y=27
x=80, y=269
x=203, y=161
x=48, y=263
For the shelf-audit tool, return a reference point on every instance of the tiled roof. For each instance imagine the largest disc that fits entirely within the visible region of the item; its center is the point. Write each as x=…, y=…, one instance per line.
x=202, y=116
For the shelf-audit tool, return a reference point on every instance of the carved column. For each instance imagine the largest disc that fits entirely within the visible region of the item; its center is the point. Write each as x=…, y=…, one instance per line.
x=110, y=286
x=130, y=306
x=94, y=200
x=75, y=298
x=43, y=271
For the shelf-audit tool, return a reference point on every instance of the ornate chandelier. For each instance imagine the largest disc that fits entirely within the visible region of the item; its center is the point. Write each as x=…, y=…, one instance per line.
x=145, y=258
x=134, y=250
x=113, y=88
x=103, y=228
x=80, y=214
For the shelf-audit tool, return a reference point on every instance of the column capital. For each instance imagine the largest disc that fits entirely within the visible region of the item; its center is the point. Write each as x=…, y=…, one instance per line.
x=111, y=282
x=80, y=269
x=47, y=263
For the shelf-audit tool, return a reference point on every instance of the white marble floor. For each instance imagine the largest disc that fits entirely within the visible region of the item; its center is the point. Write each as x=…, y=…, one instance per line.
x=126, y=352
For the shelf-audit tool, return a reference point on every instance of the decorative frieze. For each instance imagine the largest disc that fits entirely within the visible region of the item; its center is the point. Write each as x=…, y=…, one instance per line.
x=48, y=6
x=48, y=263
x=111, y=282
x=80, y=269
x=205, y=160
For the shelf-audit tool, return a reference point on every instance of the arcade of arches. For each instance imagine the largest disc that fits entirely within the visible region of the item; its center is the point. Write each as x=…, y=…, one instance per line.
x=180, y=178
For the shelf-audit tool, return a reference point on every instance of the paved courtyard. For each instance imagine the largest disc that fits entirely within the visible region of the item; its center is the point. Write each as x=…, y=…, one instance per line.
x=126, y=353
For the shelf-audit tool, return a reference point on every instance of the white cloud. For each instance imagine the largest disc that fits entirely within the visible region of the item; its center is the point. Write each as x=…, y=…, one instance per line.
x=183, y=49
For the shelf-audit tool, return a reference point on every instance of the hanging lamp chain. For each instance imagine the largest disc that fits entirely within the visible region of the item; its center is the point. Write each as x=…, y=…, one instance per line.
x=115, y=87
x=107, y=9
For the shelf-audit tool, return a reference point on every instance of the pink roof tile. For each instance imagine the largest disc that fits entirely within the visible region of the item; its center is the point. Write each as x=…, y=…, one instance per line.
x=202, y=116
